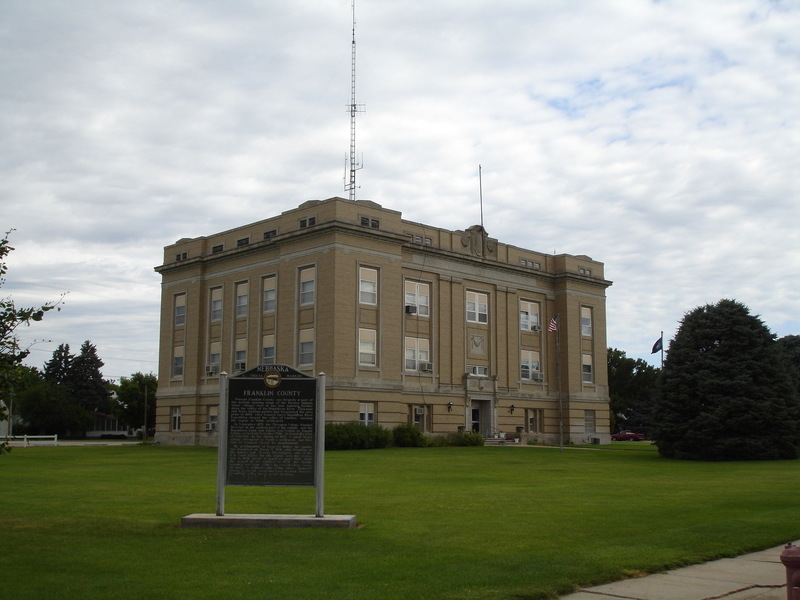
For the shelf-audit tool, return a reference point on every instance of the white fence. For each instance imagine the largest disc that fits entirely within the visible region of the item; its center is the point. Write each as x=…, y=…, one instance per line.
x=28, y=440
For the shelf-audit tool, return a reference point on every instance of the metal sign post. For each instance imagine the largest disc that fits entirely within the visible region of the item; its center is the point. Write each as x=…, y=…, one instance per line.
x=222, y=438
x=319, y=473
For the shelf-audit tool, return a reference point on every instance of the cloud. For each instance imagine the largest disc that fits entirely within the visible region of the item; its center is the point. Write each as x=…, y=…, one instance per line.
x=661, y=138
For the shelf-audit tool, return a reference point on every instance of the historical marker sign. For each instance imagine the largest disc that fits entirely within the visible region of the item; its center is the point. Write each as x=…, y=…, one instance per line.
x=271, y=427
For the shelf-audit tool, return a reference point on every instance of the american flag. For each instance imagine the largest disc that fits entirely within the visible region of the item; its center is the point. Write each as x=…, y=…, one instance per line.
x=553, y=324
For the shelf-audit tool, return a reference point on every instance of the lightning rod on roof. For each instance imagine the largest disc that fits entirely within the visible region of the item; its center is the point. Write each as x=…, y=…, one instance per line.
x=350, y=185
x=480, y=192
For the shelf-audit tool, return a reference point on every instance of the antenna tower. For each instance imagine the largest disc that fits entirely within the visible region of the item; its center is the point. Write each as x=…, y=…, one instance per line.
x=350, y=186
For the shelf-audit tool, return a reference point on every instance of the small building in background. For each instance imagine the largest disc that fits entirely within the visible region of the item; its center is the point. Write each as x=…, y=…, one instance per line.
x=444, y=330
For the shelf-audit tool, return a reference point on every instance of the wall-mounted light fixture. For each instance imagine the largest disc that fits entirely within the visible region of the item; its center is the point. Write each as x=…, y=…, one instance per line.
x=449, y=407
x=511, y=409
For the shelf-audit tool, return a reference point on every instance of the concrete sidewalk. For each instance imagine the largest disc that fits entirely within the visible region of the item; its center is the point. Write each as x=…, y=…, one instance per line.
x=759, y=575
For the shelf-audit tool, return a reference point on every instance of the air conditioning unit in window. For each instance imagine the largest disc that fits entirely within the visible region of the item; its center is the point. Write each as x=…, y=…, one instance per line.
x=426, y=366
x=211, y=426
x=212, y=369
x=535, y=328
x=418, y=410
x=411, y=310
x=538, y=376
x=239, y=365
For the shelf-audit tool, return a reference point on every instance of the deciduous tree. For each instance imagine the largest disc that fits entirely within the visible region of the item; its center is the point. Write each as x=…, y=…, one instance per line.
x=632, y=388
x=11, y=318
x=131, y=395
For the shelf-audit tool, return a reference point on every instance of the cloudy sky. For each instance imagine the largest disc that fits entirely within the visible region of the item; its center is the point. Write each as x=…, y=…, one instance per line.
x=659, y=137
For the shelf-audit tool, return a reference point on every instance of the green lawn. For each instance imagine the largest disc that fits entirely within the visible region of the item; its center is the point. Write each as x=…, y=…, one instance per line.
x=439, y=523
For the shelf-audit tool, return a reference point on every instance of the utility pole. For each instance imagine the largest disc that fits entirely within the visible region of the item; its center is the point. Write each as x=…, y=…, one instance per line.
x=144, y=433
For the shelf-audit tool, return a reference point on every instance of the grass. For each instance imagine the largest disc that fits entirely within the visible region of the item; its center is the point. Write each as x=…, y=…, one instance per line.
x=437, y=523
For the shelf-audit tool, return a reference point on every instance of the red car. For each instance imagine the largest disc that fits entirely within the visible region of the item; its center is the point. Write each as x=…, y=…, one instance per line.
x=627, y=436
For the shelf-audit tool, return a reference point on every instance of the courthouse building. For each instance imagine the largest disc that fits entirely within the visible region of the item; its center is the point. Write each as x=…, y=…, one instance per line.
x=445, y=330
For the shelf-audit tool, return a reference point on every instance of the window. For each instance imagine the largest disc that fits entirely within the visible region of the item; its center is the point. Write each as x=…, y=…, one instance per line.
x=418, y=298
x=213, y=418
x=529, y=316
x=180, y=310
x=306, y=347
x=308, y=222
x=370, y=222
x=418, y=239
x=419, y=417
x=268, y=350
x=585, y=271
x=531, y=264
x=242, y=242
x=269, y=294
x=589, y=425
x=217, y=248
x=368, y=286
x=535, y=420
x=586, y=321
x=242, y=290
x=176, y=418
x=268, y=235
x=366, y=413
x=177, y=361
x=417, y=353
x=478, y=370
x=477, y=307
x=240, y=355
x=530, y=369
x=586, y=370
x=307, y=285
x=367, y=347
x=214, y=357
x=216, y=304
x=181, y=256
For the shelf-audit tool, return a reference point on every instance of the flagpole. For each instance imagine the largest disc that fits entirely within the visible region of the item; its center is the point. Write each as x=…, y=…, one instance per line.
x=662, y=350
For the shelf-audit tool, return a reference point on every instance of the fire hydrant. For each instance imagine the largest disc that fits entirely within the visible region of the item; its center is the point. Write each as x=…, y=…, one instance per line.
x=790, y=557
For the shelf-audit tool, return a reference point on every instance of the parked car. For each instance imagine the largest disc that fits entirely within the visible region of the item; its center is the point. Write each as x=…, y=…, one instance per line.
x=627, y=436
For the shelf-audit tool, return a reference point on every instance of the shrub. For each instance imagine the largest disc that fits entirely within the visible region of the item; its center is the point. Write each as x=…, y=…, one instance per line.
x=355, y=436
x=440, y=441
x=468, y=438
x=408, y=436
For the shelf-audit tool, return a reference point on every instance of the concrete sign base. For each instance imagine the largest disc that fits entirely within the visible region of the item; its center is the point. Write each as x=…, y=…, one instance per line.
x=268, y=521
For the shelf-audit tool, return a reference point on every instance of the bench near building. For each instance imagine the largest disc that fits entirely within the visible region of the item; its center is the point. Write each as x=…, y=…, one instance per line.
x=411, y=324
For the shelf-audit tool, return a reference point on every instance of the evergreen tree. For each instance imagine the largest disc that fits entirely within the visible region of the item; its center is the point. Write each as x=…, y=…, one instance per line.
x=790, y=345
x=57, y=369
x=726, y=390
x=86, y=385
x=46, y=409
